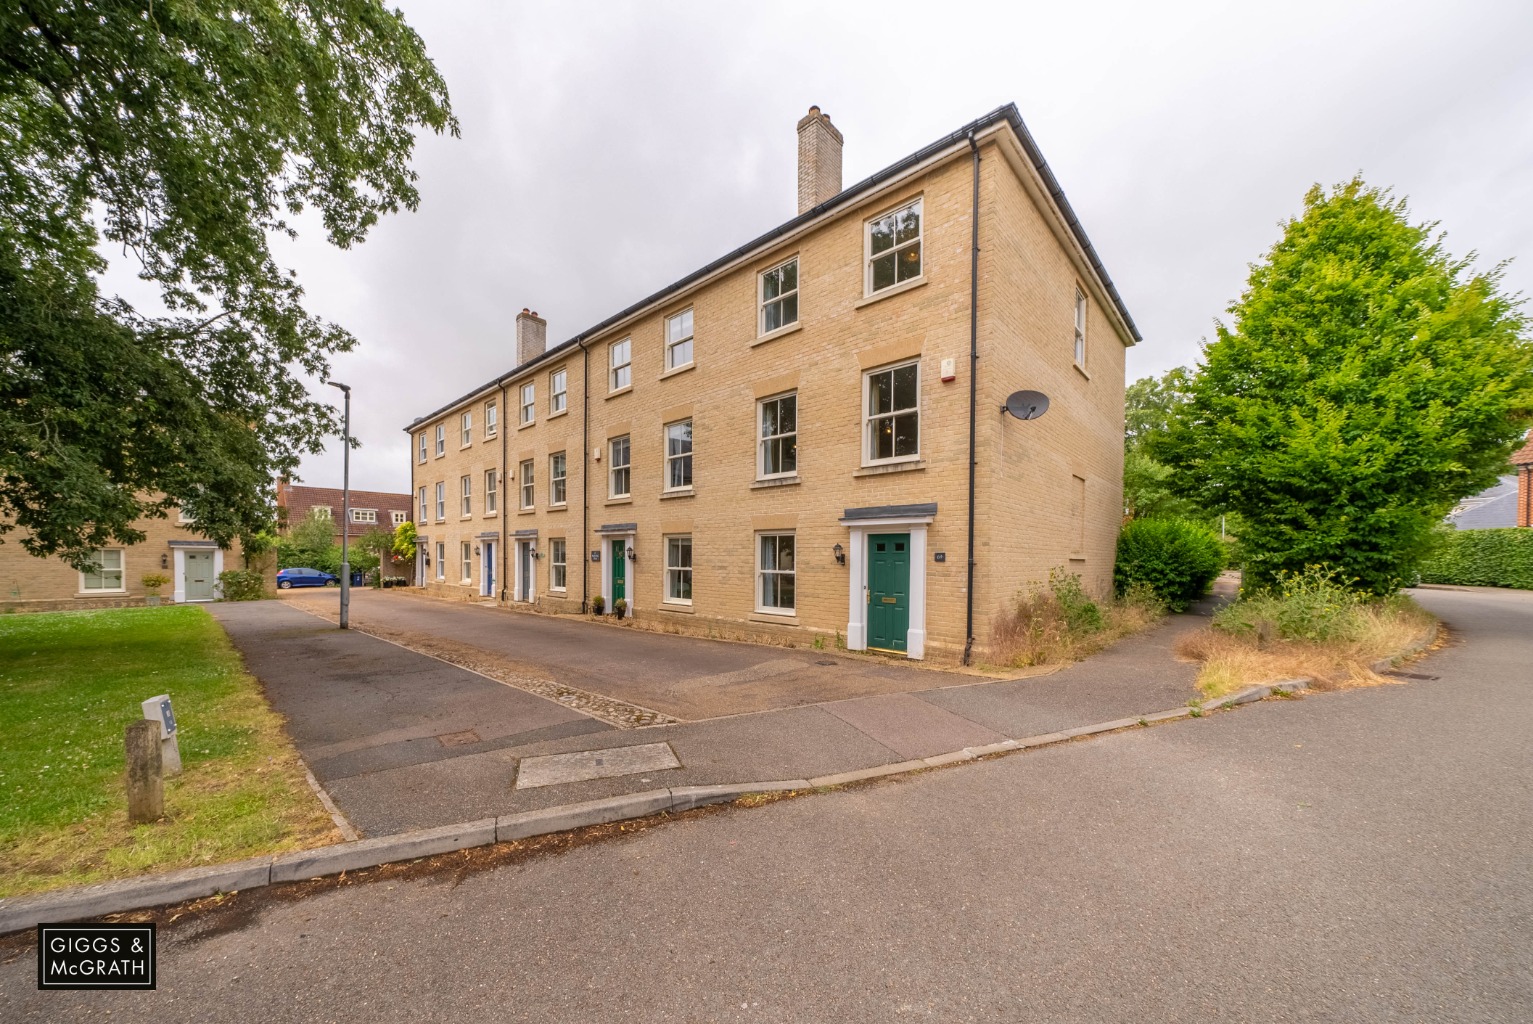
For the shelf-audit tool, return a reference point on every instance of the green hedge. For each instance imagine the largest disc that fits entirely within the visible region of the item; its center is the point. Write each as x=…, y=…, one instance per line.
x=1482, y=558
x=1176, y=558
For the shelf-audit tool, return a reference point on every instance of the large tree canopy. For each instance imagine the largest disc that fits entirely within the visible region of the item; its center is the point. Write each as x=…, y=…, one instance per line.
x=185, y=134
x=1149, y=405
x=1367, y=383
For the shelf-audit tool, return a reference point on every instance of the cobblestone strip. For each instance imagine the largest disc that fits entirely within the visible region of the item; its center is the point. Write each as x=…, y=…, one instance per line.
x=614, y=712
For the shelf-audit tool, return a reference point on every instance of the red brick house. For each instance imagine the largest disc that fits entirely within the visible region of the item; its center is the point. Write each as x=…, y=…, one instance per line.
x=370, y=510
x=1522, y=459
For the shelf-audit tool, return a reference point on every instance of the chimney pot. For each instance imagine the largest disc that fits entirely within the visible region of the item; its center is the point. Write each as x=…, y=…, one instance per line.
x=531, y=336
x=819, y=160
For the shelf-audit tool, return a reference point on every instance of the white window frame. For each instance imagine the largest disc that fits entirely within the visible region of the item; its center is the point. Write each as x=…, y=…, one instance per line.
x=525, y=480
x=558, y=391
x=364, y=515
x=441, y=440
x=425, y=507
x=620, y=374
x=680, y=458
x=441, y=500
x=1080, y=327
x=491, y=418
x=558, y=564
x=626, y=467
x=491, y=493
x=763, y=440
x=397, y=518
x=529, y=407
x=466, y=495
x=679, y=337
x=762, y=302
x=673, y=569
x=103, y=573
x=868, y=256
x=441, y=561
x=558, y=477
x=466, y=427
x=466, y=549
x=869, y=418
x=423, y=446
x=761, y=573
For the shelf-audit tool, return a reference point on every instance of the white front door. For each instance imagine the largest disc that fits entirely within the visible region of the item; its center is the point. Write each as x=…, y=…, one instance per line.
x=199, y=576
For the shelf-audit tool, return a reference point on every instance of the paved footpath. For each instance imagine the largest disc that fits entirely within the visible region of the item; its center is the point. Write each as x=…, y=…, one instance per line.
x=1361, y=857
x=403, y=741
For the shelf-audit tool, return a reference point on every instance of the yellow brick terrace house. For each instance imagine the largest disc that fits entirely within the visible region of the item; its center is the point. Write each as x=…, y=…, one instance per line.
x=805, y=438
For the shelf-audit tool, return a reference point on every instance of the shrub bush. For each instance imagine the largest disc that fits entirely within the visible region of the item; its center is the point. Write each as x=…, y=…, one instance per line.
x=1058, y=622
x=242, y=585
x=1315, y=606
x=1482, y=558
x=1175, y=558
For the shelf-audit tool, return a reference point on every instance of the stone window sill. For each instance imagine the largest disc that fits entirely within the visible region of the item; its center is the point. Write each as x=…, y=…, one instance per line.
x=620, y=391
x=625, y=500
x=891, y=291
x=677, y=609
x=913, y=466
x=525, y=511
x=1080, y=370
x=684, y=492
x=776, y=481
x=781, y=332
x=524, y=426
x=775, y=618
x=562, y=412
x=677, y=371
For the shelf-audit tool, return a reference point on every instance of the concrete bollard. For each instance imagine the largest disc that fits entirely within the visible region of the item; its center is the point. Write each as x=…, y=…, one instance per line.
x=146, y=787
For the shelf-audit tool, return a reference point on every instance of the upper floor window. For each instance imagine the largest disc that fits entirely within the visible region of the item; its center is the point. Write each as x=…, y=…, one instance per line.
x=617, y=469
x=467, y=485
x=529, y=402
x=491, y=419
x=398, y=518
x=678, y=340
x=422, y=456
x=558, y=390
x=466, y=422
x=892, y=424
x=1080, y=328
x=364, y=515
x=441, y=439
x=894, y=248
x=620, y=359
x=778, y=425
x=106, y=572
x=678, y=455
x=779, y=297
x=491, y=492
x=556, y=478
x=441, y=502
x=526, y=478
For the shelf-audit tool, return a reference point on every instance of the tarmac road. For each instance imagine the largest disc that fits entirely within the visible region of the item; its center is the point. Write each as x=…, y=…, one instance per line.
x=1364, y=856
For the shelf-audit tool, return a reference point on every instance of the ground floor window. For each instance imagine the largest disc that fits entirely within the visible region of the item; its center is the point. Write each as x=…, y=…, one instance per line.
x=441, y=558
x=468, y=560
x=558, y=568
x=107, y=574
x=678, y=569
x=775, y=571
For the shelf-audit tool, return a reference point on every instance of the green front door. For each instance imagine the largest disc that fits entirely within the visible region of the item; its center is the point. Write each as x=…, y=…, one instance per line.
x=619, y=572
x=199, y=575
x=888, y=590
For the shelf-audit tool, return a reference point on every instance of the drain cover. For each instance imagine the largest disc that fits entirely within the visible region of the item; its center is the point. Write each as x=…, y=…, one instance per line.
x=829, y=664
x=458, y=739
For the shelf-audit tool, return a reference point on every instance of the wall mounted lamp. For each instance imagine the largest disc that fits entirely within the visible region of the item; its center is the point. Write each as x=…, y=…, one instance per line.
x=164, y=561
x=840, y=554
x=631, y=556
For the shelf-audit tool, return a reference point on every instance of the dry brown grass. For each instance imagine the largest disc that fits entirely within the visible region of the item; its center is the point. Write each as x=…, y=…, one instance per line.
x=1059, y=624
x=1231, y=662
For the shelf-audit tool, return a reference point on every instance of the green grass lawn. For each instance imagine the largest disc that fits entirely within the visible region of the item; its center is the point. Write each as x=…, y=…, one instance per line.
x=70, y=682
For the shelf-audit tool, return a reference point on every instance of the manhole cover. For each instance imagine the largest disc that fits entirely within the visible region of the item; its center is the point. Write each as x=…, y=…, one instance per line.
x=828, y=664
x=458, y=739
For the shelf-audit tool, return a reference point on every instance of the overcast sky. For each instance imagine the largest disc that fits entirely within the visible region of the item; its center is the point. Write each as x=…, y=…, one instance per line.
x=609, y=150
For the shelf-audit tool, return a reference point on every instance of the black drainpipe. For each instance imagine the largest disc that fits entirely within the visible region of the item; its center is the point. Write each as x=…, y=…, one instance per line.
x=585, y=473
x=968, y=646
x=505, y=495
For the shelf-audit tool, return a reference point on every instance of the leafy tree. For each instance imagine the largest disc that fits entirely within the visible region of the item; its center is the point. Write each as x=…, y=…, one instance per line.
x=314, y=532
x=404, y=541
x=1367, y=383
x=310, y=543
x=376, y=545
x=186, y=135
x=1150, y=404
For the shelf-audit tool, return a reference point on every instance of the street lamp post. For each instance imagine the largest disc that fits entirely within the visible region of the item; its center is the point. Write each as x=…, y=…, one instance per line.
x=345, y=507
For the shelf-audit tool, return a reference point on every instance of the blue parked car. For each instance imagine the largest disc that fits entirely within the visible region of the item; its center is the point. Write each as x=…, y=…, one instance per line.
x=287, y=579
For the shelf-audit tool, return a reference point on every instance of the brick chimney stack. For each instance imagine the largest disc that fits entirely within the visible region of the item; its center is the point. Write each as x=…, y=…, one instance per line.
x=819, y=160
x=531, y=336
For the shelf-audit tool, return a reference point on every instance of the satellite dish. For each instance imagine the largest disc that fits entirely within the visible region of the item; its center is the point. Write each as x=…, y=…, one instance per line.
x=1026, y=405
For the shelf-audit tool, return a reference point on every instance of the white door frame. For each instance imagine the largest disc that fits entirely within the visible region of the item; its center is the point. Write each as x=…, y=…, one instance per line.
x=178, y=572
x=629, y=540
x=857, y=589
x=489, y=575
x=525, y=551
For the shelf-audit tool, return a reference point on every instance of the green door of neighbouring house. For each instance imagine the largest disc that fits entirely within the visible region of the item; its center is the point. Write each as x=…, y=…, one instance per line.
x=199, y=575
x=619, y=572
x=888, y=590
